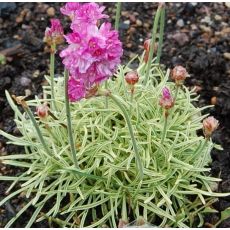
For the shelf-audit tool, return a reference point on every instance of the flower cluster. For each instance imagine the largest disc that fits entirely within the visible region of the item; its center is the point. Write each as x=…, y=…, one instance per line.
x=93, y=52
x=54, y=34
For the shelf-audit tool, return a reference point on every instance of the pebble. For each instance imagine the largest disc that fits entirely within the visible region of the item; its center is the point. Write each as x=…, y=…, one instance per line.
x=218, y=17
x=50, y=11
x=36, y=73
x=139, y=22
x=180, y=38
x=227, y=56
x=205, y=28
x=227, y=4
x=24, y=81
x=180, y=23
x=28, y=92
x=207, y=20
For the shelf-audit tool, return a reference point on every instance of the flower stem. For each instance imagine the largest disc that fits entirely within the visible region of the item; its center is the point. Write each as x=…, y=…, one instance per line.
x=127, y=118
x=176, y=93
x=118, y=14
x=162, y=25
x=52, y=61
x=68, y=116
x=27, y=109
x=165, y=126
x=154, y=31
x=106, y=98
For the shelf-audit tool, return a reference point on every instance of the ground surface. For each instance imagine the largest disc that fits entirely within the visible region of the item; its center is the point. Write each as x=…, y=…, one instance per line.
x=197, y=36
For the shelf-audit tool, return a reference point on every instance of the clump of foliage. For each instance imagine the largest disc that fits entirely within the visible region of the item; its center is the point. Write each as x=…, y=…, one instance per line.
x=125, y=152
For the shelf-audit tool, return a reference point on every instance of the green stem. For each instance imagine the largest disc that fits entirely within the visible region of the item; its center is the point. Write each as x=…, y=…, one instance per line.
x=131, y=101
x=165, y=127
x=106, y=98
x=68, y=116
x=162, y=25
x=52, y=61
x=27, y=109
x=127, y=118
x=118, y=15
x=154, y=31
x=176, y=93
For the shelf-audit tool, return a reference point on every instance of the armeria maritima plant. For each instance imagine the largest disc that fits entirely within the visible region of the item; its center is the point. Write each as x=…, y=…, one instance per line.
x=95, y=162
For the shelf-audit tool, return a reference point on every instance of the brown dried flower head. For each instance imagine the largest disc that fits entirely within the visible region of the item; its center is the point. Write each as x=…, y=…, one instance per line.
x=179, y=74
x=210, y=124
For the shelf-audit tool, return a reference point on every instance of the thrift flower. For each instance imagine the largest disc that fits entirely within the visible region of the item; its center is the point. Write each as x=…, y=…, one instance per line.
x=179, y=74
x=70, y=8
x=54, y=34
x=93, y=52
x=210, y=124
x=166, y=100
x=76, y=89
x=42, y=111
x=132, y=77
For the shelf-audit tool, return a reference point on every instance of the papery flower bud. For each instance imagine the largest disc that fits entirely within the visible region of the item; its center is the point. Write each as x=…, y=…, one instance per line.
x=42, y=111
x=179, y=74
x=54, y=34
x=147, y=45
x=210, y=124
x=132, y=77
x=166, y=100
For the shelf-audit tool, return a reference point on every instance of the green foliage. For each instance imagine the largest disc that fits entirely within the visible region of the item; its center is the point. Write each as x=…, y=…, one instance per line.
x=175, y=187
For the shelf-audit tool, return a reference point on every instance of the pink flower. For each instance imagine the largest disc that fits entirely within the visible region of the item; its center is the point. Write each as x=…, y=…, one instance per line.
x=93, y=52
x=54, y=34
x=76, y=89
x=70, y=8
x=166, y=100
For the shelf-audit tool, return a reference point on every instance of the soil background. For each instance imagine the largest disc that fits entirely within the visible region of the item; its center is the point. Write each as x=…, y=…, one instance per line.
x=197, y=36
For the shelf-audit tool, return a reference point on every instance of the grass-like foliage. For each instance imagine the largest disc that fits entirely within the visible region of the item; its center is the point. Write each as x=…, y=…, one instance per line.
x=167, y=182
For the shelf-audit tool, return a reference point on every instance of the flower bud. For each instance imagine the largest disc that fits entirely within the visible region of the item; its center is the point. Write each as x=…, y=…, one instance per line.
x=210, y=124
x=54, y=34
x=147, y=45
x=42, y=111
x=179, y=74
x=132, y=77
x=166, y=100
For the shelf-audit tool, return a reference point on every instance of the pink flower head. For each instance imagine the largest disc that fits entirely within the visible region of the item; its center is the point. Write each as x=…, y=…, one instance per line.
x=93, y=52
x=166, y=100
x=88, y=14
x=42, y=111
x=70, y=8
x=54, y=34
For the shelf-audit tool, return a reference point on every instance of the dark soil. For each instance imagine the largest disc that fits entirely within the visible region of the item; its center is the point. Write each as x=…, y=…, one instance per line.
x=197, y=37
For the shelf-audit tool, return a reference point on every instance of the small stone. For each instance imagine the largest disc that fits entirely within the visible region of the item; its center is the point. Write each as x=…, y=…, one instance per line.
x=205, y=29
x=19, y=19
x=24, y=81
x=139, y=22
x=227, y=4
x=213, y=100
x=180, y=23
x=132, y=18
x=227, y=56
x=207, y=20
x=50, y=11
x=193, y=27
x=36, y=73
x=218, y=17
x=28, y=92
x=180, y=38
x=146, y=25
